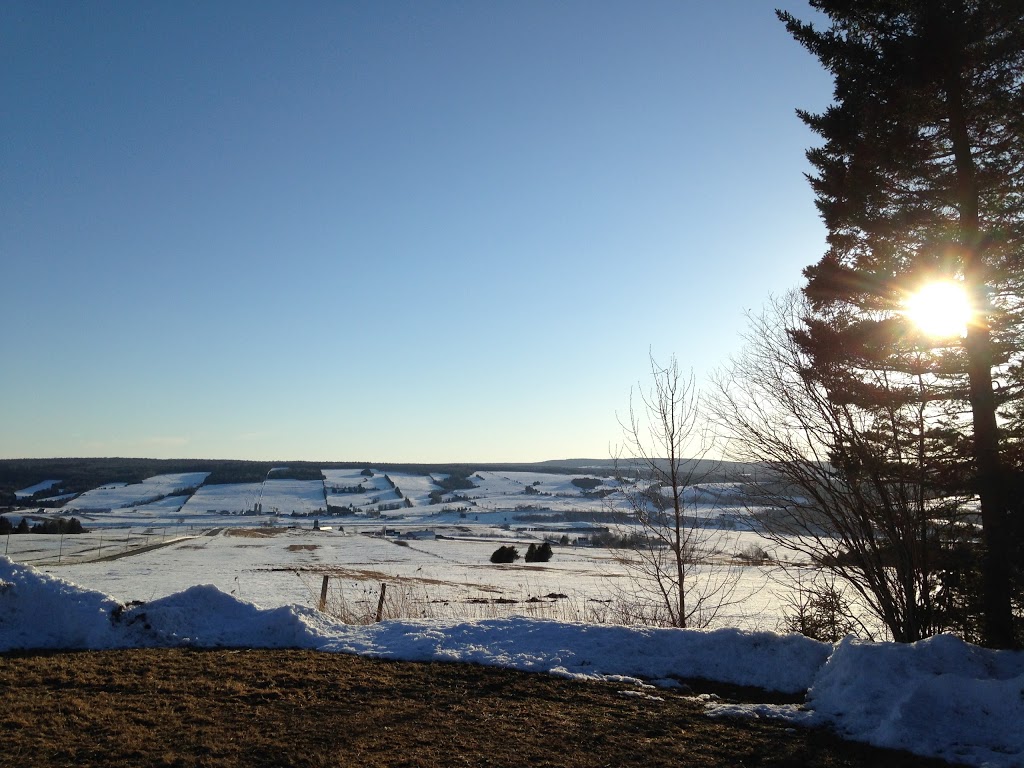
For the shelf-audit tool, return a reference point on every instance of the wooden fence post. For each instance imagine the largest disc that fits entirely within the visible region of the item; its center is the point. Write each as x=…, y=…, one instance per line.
x=323, y=593
x=380, y=603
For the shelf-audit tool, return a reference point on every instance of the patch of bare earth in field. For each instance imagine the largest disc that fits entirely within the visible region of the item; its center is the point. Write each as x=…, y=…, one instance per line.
x=303, y=708
x=255, y=533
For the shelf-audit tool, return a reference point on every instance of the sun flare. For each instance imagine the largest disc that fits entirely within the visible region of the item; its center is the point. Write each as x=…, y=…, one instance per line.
x=940, y=309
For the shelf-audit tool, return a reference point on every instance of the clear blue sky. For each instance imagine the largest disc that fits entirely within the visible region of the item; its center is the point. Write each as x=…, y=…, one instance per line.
x=389, y=231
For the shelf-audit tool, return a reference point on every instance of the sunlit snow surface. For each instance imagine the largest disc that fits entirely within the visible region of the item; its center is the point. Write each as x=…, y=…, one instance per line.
x=121, y=495
x=45, y=485
x=937, y=697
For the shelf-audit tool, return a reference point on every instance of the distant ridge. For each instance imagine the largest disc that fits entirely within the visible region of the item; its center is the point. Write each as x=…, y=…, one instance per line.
x=80, y=474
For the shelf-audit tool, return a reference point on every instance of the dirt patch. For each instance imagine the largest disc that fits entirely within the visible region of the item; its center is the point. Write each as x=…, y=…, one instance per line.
x=215, y=709
x=370, y=575
x=302, y=547
x=139, y=550
x=255, y=533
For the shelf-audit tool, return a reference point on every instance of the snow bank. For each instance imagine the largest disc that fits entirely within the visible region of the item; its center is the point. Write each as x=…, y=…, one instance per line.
x=40, y=611
x=205, y=617
x=762, y=659
x=939, y=697
x=966, y=702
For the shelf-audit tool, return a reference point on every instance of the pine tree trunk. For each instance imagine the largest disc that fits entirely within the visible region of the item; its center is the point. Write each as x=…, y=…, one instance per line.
x=997, y=626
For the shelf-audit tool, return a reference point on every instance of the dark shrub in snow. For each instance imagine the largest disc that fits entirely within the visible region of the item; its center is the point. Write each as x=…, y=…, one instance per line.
x=539, y=554
x=505, y=554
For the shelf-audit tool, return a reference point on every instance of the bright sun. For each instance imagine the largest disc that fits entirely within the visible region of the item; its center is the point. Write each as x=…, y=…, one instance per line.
x=940, y=309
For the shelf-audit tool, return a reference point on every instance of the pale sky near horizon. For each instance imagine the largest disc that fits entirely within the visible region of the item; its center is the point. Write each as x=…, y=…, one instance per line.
x=385, y=231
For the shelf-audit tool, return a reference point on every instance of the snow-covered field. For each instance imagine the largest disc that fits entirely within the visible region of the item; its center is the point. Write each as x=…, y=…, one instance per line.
x=45, y=485
x=450, y=576
x=120, y=495
x=231, y=499
x=417, y=488
x=369, y=493
x=434, y=557
x=286, y=497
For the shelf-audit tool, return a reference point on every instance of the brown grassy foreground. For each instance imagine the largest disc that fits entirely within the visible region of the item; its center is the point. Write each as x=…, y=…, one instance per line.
x=299, y=708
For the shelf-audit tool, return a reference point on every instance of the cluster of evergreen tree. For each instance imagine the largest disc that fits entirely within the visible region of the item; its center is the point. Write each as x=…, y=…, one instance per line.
x=456, y=481
x=541, y=554
x=6, y=528
x=56, y=525
x=534, y=554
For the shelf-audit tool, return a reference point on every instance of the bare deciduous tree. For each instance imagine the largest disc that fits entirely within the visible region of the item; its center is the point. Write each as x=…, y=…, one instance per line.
x=852, y=489
x=680, y=578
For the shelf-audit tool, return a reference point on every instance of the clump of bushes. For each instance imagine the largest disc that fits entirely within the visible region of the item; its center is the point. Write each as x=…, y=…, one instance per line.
x=534, y=554
x=505, y=554
x=754, y=554
x=541, y=554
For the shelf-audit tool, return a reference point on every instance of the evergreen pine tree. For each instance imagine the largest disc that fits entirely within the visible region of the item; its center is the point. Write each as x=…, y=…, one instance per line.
x=920, y=177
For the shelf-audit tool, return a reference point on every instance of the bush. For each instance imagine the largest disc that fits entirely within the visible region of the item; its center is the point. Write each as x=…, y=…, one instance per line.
x=819, y=612
x=505, y=554
x=539, y=554
x=586, y=483
x=754, y=554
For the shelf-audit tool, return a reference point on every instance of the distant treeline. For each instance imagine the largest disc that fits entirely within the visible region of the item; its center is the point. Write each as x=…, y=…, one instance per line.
x=84, y=474
x=79, y=475
x=56, y=525
x=575, y=516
